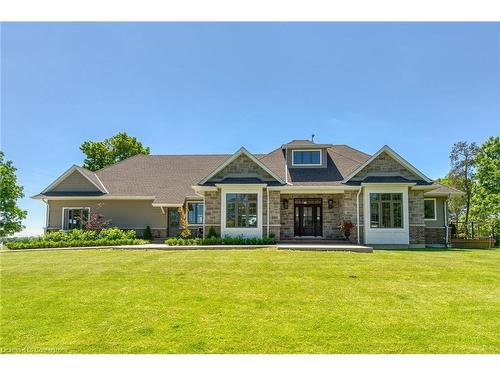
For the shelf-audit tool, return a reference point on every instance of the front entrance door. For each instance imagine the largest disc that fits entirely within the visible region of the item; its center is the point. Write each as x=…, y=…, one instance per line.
x=173, y=222
x=308, y=218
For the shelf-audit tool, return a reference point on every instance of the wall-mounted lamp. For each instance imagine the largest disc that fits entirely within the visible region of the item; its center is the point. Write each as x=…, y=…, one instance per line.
x=330, y=203
x=285, y=204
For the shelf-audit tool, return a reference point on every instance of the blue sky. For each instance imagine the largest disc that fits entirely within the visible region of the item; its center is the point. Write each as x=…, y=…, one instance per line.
x=185, y=88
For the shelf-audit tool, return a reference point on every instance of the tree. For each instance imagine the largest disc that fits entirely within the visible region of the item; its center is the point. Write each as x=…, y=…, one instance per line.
x=185, y=232
x=486, y=199
x=11, y=215
x=462, y=174
x=111, y=150
x=456, y=205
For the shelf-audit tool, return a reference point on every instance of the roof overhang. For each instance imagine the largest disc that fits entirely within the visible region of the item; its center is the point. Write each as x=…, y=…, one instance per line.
x=94, y=198
x=291, y=189
x=174, y=205
x=233, y=157
x=72, y=169
x=388, y=183
x=431, y=194
x=394, y=155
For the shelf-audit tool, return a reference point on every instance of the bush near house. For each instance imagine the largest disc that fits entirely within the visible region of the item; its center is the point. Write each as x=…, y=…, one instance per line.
x=220, y=241
x=79, y=238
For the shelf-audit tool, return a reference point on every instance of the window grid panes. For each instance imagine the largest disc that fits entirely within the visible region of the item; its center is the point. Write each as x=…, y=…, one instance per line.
x=306, y=157
x=195, y=213
x=241, y=210
x=386, y=210
x=429, y=209
x=75, y=218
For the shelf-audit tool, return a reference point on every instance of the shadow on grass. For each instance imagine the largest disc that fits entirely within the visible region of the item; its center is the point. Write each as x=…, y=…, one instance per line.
x=431, y=249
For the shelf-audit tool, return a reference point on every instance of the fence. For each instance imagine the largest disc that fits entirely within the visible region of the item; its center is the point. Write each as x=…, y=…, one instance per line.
x=473, y=234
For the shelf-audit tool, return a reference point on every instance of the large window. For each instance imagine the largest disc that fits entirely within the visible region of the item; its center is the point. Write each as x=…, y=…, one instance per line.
x=241, y=210
x=386, y=210
x=195, y=213
x=306, y=157
x=75, y=217
x=429, y=209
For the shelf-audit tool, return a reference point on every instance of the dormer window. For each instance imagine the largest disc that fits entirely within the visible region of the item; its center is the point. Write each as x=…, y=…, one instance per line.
x=306, y=157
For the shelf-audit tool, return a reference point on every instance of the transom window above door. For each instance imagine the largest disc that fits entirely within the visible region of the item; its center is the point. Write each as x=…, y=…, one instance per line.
x=306, y=157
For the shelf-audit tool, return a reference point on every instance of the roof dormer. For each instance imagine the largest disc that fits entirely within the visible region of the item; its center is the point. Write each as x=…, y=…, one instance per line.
x=306, y=154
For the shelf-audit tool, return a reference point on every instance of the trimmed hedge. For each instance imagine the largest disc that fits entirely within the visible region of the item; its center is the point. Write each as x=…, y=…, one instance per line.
x=220, y=241
x=79, y=238
x=40, y=244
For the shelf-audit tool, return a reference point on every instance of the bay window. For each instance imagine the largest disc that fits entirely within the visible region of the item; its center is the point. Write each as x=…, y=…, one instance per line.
x=241, y=210
x=386, y=210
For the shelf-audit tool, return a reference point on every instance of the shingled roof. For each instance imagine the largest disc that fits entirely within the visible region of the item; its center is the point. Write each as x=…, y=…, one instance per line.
x=169, y=179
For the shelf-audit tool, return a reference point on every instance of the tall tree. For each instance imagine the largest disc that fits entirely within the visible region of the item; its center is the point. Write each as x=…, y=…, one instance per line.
x=486, y=199
x=11, y=215
x=456, y=205
x=462, y=172
x=111, y=150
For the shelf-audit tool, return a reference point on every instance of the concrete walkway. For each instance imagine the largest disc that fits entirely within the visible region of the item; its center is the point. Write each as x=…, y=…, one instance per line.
x=281, y=246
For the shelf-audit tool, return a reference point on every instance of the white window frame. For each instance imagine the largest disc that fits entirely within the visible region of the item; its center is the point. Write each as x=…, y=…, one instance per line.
x=246, y=231
x=435, y=209
x=307, y=165
x=380, y=236
x=71, y=208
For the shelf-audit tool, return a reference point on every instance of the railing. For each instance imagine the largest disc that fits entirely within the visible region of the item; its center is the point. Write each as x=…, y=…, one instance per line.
x=471, y=230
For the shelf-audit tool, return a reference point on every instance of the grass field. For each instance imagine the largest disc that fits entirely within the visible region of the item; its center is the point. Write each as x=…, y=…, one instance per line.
x=261, y=301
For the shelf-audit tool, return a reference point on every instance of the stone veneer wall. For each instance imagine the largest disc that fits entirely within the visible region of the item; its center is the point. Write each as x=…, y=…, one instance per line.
x=274, y=214
x=416, y=213
x=243, y=166
x=212, y=211
x=384, y=163
x=349, y=212
x=435, y=236
x=331, y=217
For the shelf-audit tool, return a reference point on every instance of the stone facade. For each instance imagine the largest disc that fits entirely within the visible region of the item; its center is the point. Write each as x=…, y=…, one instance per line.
x=416, y=217
x=242, y=166
x=435, y=236
x=212, y=210
x=331, y=217
x=349, y=212
x=384, y=164
x=274, y=214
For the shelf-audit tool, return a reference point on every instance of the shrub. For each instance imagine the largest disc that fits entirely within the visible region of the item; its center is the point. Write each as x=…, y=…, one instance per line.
x=60, y=235
x=211, y=232
x=147, y=235
x=116, y=234
x=37, y=244
x=220, y=241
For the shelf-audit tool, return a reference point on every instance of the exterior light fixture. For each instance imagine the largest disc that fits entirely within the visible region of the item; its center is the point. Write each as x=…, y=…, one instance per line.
x=330, y=203
x=285, y=204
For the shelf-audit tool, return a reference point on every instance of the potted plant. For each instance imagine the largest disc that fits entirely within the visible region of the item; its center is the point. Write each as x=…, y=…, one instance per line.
x=346, y=227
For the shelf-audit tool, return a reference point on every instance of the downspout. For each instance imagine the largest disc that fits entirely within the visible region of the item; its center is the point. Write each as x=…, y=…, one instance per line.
x=267, y=191
x=446, y=220
x=204, y=209
x=47, y=213
x=357, y=213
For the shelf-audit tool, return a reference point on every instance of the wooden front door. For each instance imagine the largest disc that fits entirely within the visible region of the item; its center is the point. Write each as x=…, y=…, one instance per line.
x=308, y=218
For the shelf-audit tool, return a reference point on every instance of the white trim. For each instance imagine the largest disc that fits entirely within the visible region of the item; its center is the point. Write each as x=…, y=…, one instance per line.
x=170, y=205
x=292, y=189
x=203, y=189
x=67, y=173
x=392, y=236
x=104, y=187
x=267, y=212
x=396, y=156
x=248, y=231
x=71, y=208
x=357, y=214
x=435, y=209
x=307, y=165
x=93, y=197
x=204, y=210
x=229, y=160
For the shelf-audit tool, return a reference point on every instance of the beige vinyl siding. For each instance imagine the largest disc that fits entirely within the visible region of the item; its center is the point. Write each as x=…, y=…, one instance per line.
x=122, y=213
x=439, y=222
x=75, y=182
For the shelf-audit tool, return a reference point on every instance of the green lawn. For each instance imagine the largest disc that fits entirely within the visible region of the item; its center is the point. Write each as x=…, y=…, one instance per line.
x=261, y=301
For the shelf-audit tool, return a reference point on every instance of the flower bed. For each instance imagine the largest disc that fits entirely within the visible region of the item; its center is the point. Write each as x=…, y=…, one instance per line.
x=220, y=241
x=79, y=238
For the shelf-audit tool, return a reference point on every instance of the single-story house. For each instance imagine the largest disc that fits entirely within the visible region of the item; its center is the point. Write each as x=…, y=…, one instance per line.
x=301, y=190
